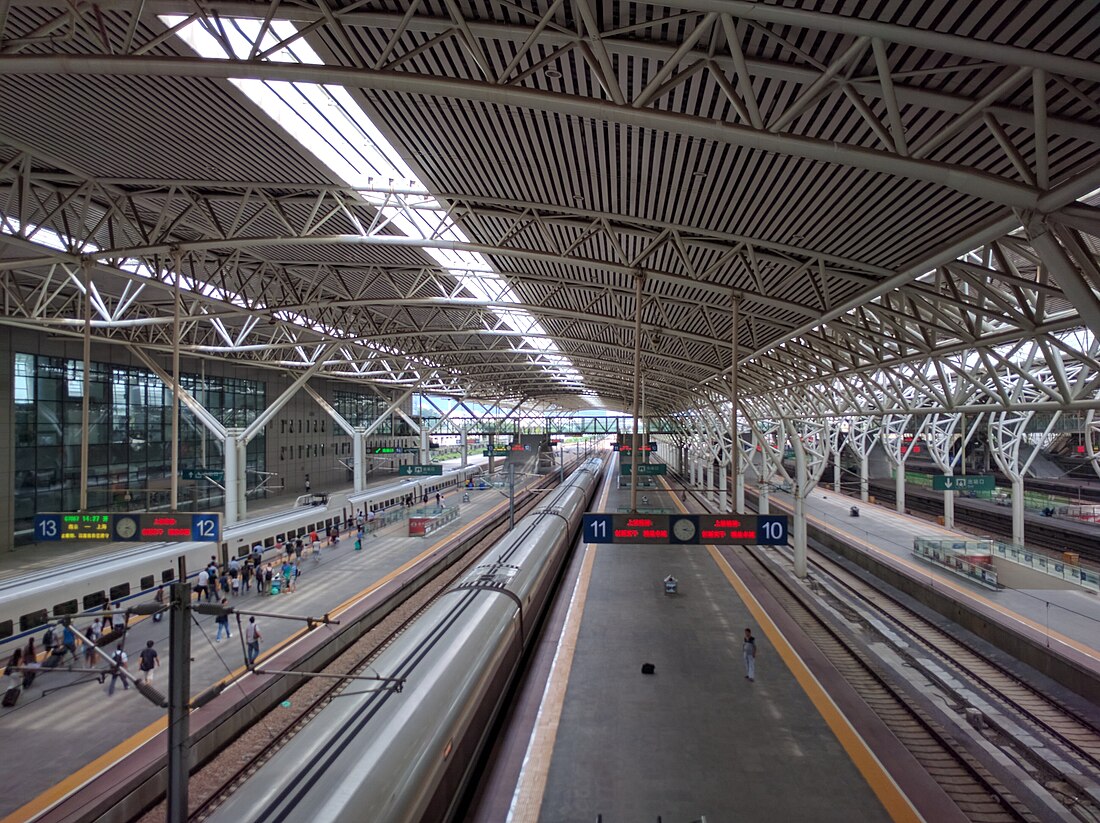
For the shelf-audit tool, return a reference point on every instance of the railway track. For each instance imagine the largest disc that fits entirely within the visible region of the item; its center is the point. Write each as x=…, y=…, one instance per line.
x=976, y=791
x=216, y=780
x=1076, y=736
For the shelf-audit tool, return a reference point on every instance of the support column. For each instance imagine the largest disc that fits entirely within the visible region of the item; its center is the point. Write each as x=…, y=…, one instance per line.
x=836, y=472
x=763, y=503
x=1006, y=434
x=465, y=447
x=799, y=530
x=86, y=400
x=735, y=445
x=425, y=451
x=1018, y=510
x=179, y=698
x=359, y=458
x=232, y=479
x=864, y=480
x=710, y=481
x=899, y=487
x=723, y=488
x=638, y=281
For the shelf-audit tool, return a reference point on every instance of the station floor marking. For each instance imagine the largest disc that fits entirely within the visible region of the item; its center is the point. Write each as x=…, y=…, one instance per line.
x=80, y=778
x=531, y=786
x=894, y=800
x=958, y=588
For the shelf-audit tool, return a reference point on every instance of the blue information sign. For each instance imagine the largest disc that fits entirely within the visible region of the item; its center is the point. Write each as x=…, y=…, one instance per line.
x=132, y=527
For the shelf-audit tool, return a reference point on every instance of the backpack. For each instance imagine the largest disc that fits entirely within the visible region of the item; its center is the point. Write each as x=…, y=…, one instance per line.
x=47, y=638
x=116, y=660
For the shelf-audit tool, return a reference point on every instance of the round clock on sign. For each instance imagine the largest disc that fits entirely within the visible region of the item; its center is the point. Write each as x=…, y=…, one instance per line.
x=126, y=527
x=683, y=529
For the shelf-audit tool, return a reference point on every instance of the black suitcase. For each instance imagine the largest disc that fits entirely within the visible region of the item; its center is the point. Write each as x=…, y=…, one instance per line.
x=10, y=697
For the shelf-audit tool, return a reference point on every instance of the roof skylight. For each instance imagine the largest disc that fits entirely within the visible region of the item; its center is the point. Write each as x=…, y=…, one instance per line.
x=328, y=122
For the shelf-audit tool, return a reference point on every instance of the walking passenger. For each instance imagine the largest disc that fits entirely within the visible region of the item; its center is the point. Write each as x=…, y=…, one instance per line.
x=748, y=651
x=118, y=666
x=149, y=661
x=252, y=637
x=68, y=639
x=223, y=622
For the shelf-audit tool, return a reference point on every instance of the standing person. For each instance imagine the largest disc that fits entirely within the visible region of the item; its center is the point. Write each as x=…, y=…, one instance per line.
x=118, y=665
x=223, y=622
x=748, y=651
x=438, y=500
x=49, y=640
x=159, y=599
x=202, y=587
x=149, y=661
x=30, y=661
x=94, y=632
x=307, y=484
x=13, y=679
x=68, y=639
x=118, y=619
x=252, y=637
x=246, y=575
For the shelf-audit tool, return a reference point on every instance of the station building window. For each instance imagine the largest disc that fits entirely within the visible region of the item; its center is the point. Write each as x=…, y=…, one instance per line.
x=129, y=436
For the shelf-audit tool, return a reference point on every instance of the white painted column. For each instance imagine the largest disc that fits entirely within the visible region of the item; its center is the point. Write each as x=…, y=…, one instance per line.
x=799, y=530
x=1018, y=509
x=232, y=515
x=710, y=481
x=359, y=458
x=864, y=480
x=723, y=488
x=836, y=472
x=899, y=487
x=425, y=452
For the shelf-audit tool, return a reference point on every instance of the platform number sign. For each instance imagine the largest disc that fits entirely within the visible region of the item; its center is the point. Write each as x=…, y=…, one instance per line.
x=47, y=527
x=598, y=528
x=205, y=528
x=771, y=530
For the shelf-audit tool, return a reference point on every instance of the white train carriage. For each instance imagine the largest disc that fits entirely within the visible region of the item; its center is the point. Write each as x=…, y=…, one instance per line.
x=384, y=755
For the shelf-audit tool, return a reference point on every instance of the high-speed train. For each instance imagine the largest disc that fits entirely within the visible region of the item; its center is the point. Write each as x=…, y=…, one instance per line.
x=386, y=755
x=29, y=601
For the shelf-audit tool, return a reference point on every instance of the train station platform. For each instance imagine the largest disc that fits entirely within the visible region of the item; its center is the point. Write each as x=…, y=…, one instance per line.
x=593, y=738
x=1057, y=615
x=70, y=733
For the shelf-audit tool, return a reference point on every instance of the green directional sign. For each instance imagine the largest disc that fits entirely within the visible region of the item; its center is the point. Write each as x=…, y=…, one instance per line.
x=645, y=469
x=963, y=483
x=216, y=475
x=419, y=470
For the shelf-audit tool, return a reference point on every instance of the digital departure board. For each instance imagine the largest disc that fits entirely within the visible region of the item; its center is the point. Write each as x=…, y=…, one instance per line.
x=691, y=529
x=651, y=446
x=145, y=527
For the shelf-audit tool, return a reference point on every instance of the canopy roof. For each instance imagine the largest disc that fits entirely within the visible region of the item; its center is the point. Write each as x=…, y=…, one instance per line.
x=879, y=187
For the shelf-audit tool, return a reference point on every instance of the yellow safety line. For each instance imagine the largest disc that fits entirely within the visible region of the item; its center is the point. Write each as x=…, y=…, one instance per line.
x=893, y=799
x=531, y=786
x=79, y=778
x=958, y=588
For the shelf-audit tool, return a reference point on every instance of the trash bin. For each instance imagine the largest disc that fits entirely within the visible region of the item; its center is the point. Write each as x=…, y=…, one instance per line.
x=1071, y=558
x=854, y=511
x=670, y=584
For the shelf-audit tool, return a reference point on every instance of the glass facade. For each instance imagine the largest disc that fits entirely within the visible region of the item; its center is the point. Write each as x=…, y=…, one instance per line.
x=364, y=409
x=129, y=437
